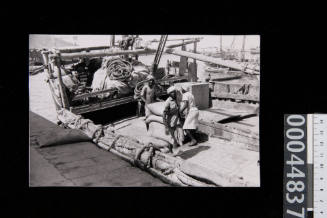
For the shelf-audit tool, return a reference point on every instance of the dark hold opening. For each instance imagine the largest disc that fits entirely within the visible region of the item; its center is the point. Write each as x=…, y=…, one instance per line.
x=114, y=114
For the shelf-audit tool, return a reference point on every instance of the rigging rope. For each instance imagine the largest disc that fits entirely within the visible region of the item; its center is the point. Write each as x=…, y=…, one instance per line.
x=232, y=44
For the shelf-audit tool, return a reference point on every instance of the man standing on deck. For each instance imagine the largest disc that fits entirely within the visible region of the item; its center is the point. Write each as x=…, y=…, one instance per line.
x=191, y=114
x=148, y=94
x=171, y=120
x=168, y=66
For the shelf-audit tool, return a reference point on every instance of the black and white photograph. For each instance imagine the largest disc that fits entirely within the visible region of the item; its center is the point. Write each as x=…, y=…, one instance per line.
x=144, y=110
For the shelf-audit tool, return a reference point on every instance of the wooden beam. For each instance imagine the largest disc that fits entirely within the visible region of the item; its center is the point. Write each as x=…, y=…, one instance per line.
x=45, y=56
x=102, y=105
x=230, y=64
x=105, y=53
x=93, y=94
x=57, y=101
x=79, y=49
x=112, y=40
x=236, y=96
x=172, y=79
x=192, y=72
x=243, y=48
x=155, y=40
x=249, y=141
x=221, y=44
x=182, y=44
x=195, y=66
x=63, y=94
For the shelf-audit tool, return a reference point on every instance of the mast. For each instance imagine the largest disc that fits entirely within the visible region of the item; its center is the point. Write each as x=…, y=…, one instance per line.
x=136, y=56
x=75, y=40
x=112, y=40
x=243, y=49
x=221, y=44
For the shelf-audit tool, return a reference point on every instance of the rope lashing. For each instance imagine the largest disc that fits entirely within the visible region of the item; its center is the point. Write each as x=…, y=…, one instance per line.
x=114, y=141
x=97, y=134
x=137, y=161
x=76, y=121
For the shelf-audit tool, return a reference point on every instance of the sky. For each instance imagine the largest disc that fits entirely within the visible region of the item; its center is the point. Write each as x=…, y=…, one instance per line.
x=251, y=41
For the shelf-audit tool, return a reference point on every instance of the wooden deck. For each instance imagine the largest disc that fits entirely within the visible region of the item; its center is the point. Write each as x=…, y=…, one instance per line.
x=226, y=162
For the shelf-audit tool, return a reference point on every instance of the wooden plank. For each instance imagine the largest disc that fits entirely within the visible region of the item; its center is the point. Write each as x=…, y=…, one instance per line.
x=102, y=105
x=62, y=89
x=236, y=96
x=248, y=140
x=79, y=49
x=155, y=40
x=173, y=79
x=93, y=94
x=182, y=44
x=108, y=103
x=112, y=40
x=239, y=131
x=104, y=53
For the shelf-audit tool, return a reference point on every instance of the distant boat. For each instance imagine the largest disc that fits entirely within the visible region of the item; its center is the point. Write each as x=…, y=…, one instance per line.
x=216, y=70
x=255, y=51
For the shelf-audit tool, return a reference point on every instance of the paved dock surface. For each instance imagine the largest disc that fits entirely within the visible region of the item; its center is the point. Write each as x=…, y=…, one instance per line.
x=80, y=164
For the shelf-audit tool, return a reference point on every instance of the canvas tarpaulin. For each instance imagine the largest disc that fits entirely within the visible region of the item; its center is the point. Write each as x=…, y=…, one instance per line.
x=61, y=136
x=101, y=81
x=44, y=133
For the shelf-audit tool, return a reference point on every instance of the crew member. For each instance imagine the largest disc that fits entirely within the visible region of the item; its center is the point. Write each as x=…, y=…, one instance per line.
x=168, y=66
x=148, y=94
x=191, y=114
x=208, y=78
x=171, y=120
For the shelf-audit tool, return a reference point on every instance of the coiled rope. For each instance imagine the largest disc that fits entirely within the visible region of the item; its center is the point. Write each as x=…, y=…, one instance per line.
x=118, y=69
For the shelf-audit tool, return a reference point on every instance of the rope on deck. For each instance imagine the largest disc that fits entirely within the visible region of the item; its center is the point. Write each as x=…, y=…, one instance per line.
x=148, y=157
x=118, y=69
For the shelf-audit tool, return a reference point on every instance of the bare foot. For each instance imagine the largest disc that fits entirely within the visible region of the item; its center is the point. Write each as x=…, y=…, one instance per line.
x=175, y=151
x=165, y=150
x=193, y=142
